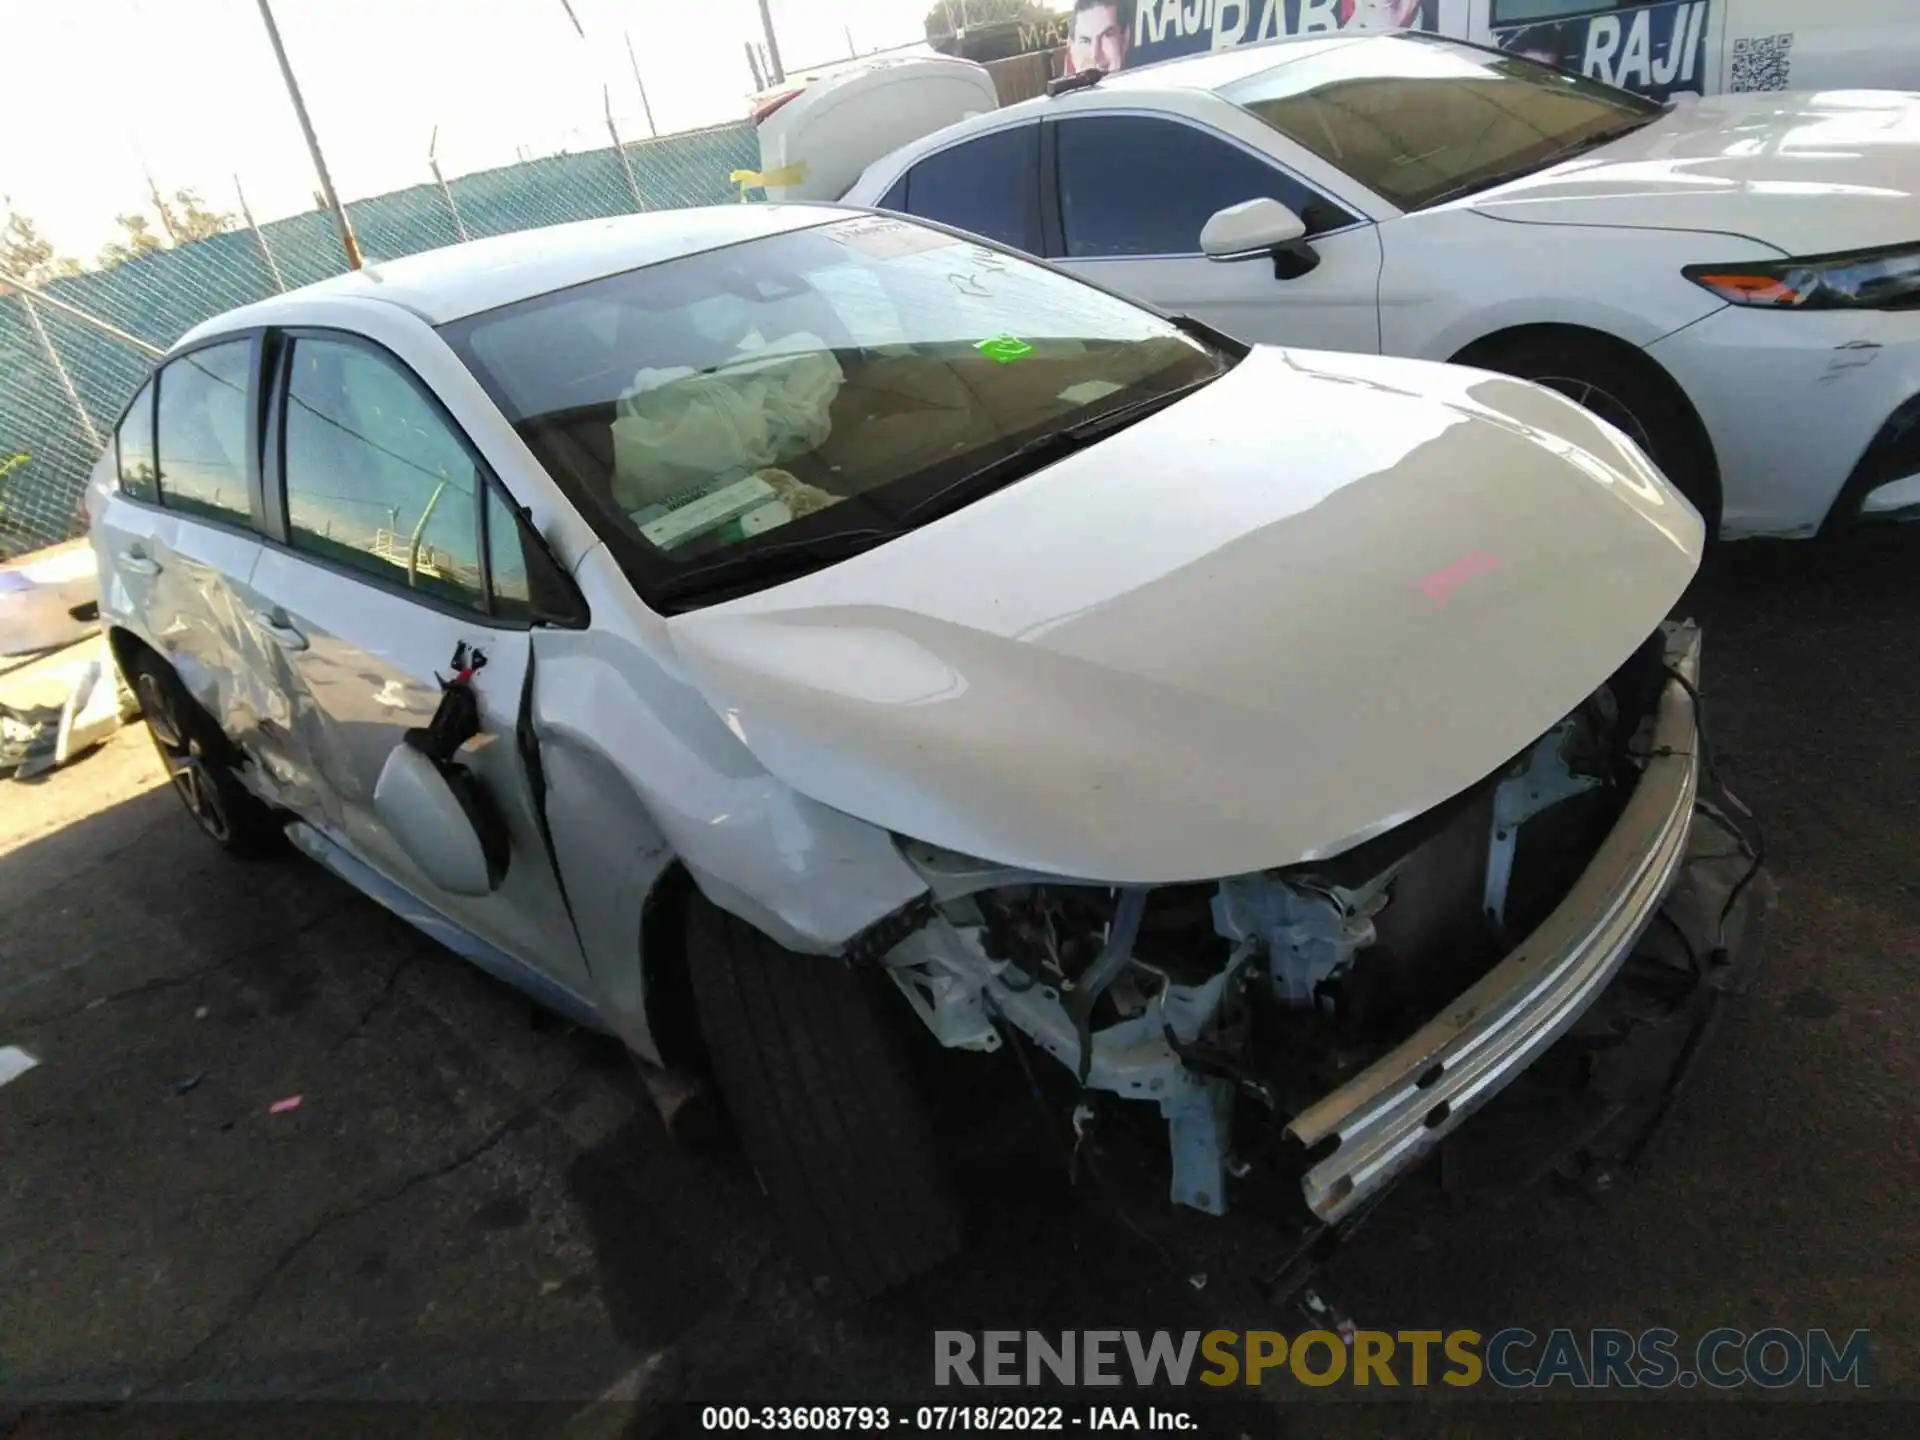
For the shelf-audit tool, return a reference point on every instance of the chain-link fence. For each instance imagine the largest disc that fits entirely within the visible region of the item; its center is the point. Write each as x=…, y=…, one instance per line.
x=63, y=382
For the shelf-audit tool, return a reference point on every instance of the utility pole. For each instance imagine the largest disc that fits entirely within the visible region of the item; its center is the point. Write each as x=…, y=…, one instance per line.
x=347, y=242
x=776, y=72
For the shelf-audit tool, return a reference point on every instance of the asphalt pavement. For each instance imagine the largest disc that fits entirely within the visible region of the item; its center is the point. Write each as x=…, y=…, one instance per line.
x=280, y=1147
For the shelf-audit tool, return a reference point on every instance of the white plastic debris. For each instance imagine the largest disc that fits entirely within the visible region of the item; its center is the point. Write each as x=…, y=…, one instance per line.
x=15, y=1062
x=63, y=707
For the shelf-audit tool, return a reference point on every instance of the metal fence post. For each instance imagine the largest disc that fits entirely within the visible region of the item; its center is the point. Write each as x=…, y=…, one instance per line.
x=645, y=104
x=59, y=369
x=626, y=162
x=433, y=164
x=260, y=238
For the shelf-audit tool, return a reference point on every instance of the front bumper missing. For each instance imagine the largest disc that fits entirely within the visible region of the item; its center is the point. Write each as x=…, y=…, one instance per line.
x=1372, y=1129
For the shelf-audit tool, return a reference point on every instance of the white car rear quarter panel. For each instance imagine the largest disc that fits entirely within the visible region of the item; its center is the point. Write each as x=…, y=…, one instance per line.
x=192, y=608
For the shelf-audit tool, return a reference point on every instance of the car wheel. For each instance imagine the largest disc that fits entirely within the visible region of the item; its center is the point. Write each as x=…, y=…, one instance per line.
x=1626, y=396
x=824, y=1101
x=198, y=761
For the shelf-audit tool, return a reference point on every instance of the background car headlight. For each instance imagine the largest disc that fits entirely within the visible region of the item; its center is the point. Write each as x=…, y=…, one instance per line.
x=1862, y=280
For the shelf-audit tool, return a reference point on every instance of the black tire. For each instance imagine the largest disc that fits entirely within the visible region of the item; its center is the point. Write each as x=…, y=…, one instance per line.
x=200, y=761
x=821, y=1094
x=1608, y=380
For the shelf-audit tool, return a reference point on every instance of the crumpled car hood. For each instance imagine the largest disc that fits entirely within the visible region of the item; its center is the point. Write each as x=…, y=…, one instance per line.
x=1808, y=174
x=1300, y=607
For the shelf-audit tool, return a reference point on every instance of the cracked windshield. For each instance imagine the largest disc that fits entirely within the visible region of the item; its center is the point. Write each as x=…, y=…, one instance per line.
x=854, y=372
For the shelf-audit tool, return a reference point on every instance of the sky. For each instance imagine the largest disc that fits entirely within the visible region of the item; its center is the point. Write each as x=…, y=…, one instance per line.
x=189, y=88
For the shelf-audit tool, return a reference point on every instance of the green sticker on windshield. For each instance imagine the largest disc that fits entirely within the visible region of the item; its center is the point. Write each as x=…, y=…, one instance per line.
x=1004, y=349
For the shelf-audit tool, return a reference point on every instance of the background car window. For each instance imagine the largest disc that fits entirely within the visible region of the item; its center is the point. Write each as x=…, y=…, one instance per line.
x=133, y=445
x=203, y=432
x=507, y=560
x=1421, y=121
x=375, y=478
x=1136, y=185
x=990, y=186
x=1524, y=12
x=896, y=198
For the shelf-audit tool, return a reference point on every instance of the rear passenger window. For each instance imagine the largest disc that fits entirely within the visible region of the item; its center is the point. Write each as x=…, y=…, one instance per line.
x=203, y=429
x=377, y=480
x=133, y=447
x=990, y=186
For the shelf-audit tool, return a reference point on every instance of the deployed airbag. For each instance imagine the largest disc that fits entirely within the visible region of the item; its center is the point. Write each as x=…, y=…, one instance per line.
x=681, y=429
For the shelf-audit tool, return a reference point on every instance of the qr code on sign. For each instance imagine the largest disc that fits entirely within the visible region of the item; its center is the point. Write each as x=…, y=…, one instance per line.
x=1762, y=62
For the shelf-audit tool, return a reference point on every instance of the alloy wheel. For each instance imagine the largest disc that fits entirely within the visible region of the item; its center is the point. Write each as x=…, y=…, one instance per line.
x=187, y=765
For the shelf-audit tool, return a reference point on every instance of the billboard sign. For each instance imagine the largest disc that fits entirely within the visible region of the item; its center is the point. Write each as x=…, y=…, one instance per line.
x=1137, y=32
x=1657, y=49
x=1654, y=50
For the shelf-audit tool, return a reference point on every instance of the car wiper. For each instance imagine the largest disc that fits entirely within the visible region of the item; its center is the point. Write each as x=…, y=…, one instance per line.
x=784, y=561
x=1045, y=449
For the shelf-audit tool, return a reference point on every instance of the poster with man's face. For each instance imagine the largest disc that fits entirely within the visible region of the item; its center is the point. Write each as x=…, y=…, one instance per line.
x=1113, y=35
x=1656, y=49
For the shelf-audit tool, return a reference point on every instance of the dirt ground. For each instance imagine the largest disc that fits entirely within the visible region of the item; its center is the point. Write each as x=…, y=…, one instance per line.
x=470, y=1203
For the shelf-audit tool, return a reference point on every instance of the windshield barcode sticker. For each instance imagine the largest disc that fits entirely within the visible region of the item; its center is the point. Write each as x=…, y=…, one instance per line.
x=879, y=238
x=709, y=512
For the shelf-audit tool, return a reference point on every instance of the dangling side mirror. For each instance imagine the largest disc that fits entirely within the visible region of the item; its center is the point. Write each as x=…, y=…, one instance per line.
x=441, y=820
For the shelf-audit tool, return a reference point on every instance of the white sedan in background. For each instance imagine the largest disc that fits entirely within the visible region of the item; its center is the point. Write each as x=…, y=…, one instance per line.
x=1735, y=282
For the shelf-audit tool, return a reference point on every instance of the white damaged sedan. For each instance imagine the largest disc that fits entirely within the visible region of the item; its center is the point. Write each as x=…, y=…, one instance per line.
x=767, y=632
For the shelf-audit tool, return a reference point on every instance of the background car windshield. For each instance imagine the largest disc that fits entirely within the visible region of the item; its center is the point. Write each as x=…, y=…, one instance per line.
x=1416, y=120
x=826, y=379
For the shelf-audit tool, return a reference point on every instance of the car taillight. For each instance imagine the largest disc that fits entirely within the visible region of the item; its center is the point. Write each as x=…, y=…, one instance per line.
x=772, y=103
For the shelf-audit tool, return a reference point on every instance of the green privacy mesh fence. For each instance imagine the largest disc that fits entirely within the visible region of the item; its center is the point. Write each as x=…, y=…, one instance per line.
x=64, y=383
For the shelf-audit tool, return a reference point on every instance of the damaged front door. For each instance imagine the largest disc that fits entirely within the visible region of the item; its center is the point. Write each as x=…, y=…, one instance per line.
x=387, y=589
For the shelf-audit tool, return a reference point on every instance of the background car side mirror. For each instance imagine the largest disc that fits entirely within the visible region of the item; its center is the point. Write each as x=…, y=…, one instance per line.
x=1260, y=227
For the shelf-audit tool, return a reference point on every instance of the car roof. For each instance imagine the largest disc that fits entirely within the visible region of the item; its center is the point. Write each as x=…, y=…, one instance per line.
x=1175, y=85
x=461, y=280
x=1215, y=68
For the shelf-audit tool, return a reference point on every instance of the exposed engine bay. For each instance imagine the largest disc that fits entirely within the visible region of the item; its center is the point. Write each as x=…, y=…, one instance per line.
x=1235, y=1004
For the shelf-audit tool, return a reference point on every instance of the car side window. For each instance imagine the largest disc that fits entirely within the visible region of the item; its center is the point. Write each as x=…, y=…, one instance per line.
x=990, y=186
x=133, y=447
x=376, y=479
x=896, y=198
x=1139, y=185
x=202, y=432
x=507, y=562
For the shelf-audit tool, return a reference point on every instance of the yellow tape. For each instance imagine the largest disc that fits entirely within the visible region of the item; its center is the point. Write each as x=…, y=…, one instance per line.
x=758, y=180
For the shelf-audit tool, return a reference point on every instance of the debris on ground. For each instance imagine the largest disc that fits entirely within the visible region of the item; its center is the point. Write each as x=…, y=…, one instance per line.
x=15, y=1062
x=59, y=706
x=60, y=692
